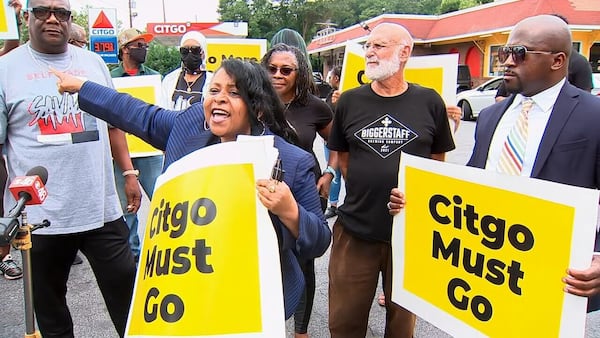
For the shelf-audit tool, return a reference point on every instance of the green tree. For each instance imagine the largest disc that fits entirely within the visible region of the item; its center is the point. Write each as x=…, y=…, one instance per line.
x=163, y=59
x=260, y=15
x=234, y=10
x=265, y=19
x=448, y=6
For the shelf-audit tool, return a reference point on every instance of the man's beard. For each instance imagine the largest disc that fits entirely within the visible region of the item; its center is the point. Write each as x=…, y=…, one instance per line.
x=385, y=68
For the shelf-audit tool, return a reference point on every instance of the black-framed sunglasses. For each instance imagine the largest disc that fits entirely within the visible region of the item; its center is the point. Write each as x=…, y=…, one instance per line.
x=140, y=45
x=518, y=53
x=285, y=71
x=43, y=13
x=196, y=50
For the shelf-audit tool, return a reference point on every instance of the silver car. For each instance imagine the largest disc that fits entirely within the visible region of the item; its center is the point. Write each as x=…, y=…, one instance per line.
x=472, y=101
x=596, y=89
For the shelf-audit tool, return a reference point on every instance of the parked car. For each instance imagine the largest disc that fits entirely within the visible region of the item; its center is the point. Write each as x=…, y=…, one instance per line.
x=463, y=79
x=596, y=89
x=471, y=102
x=318, y=77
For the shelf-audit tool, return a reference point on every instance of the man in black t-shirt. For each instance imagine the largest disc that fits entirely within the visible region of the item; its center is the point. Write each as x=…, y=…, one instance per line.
x=372, y=125
x=580, y=71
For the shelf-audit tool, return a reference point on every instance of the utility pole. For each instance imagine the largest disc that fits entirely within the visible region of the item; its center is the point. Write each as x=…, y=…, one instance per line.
x=132, y=12
x=130, y=16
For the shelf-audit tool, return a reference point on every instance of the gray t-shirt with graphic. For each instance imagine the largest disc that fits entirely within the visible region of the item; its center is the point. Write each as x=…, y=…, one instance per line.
x=40, y=127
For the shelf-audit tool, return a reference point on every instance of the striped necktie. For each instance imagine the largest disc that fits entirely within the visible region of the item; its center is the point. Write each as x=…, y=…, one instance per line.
x=513, y=150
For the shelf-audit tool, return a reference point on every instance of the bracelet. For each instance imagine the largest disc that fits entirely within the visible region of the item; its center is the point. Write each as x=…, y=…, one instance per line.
x=131, y=172
x=330, y=170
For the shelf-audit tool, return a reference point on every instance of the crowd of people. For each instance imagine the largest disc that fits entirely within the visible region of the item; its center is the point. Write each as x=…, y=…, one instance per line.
x=97, y=178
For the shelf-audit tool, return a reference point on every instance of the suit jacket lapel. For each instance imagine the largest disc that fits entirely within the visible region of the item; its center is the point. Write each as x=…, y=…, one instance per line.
x=563, y=107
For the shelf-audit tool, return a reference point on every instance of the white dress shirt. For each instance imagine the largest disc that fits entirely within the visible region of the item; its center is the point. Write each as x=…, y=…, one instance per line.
x=538, y=117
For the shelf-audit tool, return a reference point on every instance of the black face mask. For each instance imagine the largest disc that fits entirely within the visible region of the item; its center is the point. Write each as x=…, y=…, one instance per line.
x=138, y=55
x=192, y=62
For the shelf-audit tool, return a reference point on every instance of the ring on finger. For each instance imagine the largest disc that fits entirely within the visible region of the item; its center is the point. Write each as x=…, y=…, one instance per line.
x=271, y=188
x=389, y=205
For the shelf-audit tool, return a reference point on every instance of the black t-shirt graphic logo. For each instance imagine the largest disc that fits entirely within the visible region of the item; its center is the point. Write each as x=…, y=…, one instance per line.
x=385, y=135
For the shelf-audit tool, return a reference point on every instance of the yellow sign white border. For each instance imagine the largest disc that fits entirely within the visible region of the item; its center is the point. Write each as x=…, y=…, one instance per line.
x=584, y=202
x=448, y=62
x=129, y=84
x=220, y=49
x=10, y=30
x=259, y=152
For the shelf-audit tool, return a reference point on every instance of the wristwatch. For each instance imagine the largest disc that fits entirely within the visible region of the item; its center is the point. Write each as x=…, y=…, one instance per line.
x=331, y=171
x=131, y=172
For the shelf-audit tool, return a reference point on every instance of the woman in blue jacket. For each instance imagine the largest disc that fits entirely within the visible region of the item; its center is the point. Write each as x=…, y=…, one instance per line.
x=240, y=101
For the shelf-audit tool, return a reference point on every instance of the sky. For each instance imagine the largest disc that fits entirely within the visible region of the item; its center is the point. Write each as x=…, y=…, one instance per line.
x=152, y=10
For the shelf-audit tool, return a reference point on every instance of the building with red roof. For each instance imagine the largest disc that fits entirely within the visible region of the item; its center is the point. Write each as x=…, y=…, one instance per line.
x=475, y=33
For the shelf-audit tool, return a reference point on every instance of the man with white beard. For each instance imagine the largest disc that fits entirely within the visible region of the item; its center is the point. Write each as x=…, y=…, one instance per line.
x=372, y=125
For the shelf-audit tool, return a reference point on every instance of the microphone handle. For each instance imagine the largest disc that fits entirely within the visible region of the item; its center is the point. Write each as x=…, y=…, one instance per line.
x=18, y=208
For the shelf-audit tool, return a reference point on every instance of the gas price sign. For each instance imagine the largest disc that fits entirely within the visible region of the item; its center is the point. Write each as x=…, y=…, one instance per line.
x=106, y=47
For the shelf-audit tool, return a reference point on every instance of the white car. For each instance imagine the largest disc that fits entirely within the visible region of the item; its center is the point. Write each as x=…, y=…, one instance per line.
x=596, y=89
x=472, y=101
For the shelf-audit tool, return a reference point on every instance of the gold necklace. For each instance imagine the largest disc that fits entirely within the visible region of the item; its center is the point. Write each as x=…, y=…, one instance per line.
x=190, y=84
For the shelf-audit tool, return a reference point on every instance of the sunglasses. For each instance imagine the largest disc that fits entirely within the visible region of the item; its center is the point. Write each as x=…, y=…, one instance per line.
x=518, y=53
x=43, y=13
x=139, y=45
x=196, y=50
x=285, y=71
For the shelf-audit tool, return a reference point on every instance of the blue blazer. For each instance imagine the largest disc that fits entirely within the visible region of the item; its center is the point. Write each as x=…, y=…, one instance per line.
x=179, y=133
x=569, y=152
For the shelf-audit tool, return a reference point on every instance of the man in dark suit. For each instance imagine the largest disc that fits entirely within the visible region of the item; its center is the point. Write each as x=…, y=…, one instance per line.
x=563, y=143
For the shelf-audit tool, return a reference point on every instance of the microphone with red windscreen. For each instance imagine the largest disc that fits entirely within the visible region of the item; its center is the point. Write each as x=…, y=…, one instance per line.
x=29, y=189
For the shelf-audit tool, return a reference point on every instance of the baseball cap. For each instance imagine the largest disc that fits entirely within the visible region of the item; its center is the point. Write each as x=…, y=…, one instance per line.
x=132, y=34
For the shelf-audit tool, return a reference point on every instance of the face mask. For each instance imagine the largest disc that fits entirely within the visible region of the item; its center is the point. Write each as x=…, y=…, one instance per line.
x=192, y=61
x=137, y=55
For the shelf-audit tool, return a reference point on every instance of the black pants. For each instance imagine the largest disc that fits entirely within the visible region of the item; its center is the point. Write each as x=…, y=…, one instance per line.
x=108, y=251
x=304, y=309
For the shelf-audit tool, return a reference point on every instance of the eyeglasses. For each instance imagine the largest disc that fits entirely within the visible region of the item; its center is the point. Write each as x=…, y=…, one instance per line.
x=43, y=13
x=518, y=53
x=139, y=45
x=378, y=47
x=285, y=71
x=196, y=50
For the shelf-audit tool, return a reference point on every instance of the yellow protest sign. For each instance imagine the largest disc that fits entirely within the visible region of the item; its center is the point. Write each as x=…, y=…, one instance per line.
x=8, y=22
x=490, y=251
x=433, y=71
x=243, y=49
x=353, y=67
x=209, y=252
x=146, y=88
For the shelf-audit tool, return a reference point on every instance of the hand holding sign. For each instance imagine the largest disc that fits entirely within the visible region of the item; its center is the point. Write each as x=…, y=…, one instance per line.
x=277, y=198
x=397, y=202
x=586, y=282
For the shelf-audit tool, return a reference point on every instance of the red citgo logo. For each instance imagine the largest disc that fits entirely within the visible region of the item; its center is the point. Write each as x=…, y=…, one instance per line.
x=102, y=21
